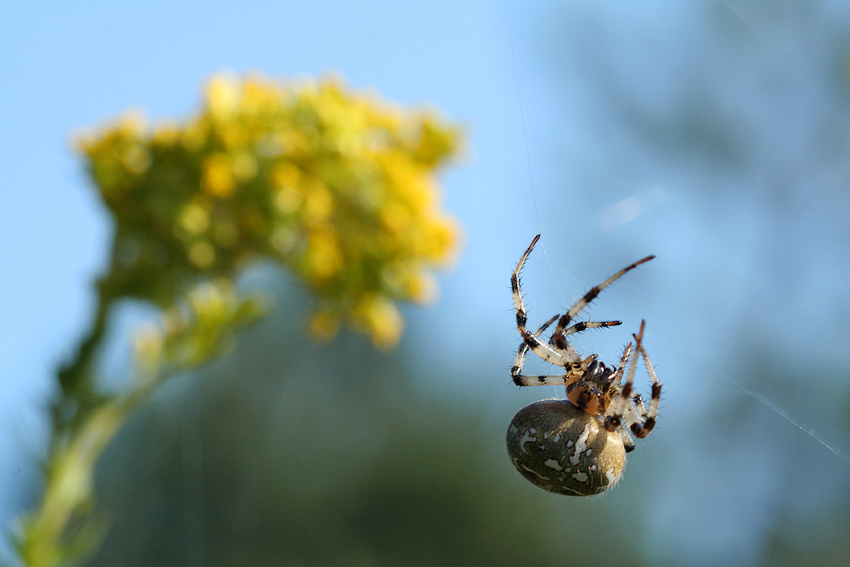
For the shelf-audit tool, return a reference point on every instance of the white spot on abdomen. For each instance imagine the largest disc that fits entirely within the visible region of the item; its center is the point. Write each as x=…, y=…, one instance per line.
x=527, y=436
x=581, y=445
x=534, y=472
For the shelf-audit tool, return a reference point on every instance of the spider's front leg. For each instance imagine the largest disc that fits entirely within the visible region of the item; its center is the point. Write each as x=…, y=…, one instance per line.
x=544, y=351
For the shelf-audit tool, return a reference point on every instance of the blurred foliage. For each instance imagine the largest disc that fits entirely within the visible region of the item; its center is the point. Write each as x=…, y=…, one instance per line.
x=336, y=186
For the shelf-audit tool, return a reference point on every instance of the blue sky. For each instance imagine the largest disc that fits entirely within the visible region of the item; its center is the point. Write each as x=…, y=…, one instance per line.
x=694, y=131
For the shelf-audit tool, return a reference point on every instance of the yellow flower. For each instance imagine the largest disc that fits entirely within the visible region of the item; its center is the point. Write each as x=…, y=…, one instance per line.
x=318, y=202
x=285, y=175
x=218, y=179
x=338, y=186
x=324, y=257
x=194, y=219
x=380, y=318
x=222, y=95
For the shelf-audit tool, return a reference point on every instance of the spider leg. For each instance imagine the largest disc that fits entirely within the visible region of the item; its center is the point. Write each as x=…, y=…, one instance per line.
x=559, y=340
x=642, y=428
x=581, y=326
x=522, y=380
x=623, y=414
x=623, y=361
x=618, y=375
x=531, y=380
x=618, y=406
x=587, y=298
x=541, y=349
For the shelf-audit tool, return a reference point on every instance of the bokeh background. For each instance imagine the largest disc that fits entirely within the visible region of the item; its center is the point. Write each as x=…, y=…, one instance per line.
x=711, y=133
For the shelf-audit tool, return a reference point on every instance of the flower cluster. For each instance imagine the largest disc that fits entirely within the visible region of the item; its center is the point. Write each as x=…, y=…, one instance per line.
x=336, y=185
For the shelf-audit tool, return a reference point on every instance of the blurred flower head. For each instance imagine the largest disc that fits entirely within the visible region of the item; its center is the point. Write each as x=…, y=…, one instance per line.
x=336, y=185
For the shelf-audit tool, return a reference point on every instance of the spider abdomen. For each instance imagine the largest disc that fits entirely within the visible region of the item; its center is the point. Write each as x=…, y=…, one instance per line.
x=565, y=450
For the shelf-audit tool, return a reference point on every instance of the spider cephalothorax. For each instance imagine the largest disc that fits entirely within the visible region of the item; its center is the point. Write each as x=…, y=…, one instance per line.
x=578, y=446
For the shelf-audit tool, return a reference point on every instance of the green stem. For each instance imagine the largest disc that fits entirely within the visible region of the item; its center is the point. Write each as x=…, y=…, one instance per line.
x=77, y=395
x=49, y=539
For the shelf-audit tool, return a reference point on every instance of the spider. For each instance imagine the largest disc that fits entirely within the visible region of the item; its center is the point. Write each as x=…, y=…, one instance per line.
x=578, y=446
